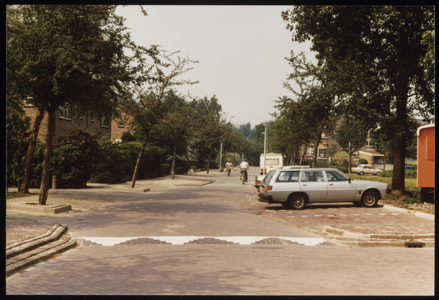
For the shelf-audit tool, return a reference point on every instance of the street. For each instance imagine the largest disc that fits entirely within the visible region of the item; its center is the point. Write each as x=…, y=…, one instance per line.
x=203, y=240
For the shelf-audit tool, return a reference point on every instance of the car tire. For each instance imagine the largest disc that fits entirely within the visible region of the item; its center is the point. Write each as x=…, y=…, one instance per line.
x=369, y=199
x=361, y=173
x=297, y=201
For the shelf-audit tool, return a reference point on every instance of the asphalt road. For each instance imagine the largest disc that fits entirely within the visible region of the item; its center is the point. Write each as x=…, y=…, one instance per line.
x=281, y=264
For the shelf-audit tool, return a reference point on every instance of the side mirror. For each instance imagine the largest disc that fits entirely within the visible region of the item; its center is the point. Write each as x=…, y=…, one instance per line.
x=349, y=180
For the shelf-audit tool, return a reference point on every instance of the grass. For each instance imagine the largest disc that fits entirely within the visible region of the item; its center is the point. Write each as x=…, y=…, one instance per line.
x=410, y=183
x=11, y=195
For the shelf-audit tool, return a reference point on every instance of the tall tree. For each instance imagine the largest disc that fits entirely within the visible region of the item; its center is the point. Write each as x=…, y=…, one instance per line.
x=385, y=55
x=147, y=108
x=210, y=128
x=178, y=126
x=72, y=54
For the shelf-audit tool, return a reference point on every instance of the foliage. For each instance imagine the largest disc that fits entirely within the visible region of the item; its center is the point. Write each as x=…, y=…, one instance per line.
x=16, y=156
x=368, y=51
x=411, y=174
x=71, y=54
x=386, y=173
x=362, y=161
x=340, y=158
x=351, y=135
x=68, y=164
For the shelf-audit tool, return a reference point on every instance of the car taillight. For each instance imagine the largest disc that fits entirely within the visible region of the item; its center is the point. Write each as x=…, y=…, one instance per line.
x=258, y=182
x=269, y=188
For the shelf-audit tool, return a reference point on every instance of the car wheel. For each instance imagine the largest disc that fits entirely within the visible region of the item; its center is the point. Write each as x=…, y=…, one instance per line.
x=361, y=173
x=369, y=199
x=297, y=201
x=378, y=173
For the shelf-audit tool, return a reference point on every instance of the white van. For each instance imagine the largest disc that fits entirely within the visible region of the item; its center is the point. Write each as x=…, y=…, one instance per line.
x=272, y=161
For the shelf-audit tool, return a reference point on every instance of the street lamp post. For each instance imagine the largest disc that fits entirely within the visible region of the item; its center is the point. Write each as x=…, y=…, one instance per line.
x=265, y=145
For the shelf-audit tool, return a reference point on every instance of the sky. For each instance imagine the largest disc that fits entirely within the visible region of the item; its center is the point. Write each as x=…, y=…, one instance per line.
x=240, y=51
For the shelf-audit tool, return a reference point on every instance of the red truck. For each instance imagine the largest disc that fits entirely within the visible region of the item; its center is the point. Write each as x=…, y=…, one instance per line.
x=426, y=162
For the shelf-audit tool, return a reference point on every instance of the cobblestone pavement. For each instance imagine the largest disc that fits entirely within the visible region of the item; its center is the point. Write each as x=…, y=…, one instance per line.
x=209, y=266
x=230, y=270
x=343, y=216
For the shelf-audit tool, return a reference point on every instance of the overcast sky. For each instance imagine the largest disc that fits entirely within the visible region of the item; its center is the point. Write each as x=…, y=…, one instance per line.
x=241, y=52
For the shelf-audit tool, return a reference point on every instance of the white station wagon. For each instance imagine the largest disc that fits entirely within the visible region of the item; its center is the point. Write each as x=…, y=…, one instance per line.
x=295, y=188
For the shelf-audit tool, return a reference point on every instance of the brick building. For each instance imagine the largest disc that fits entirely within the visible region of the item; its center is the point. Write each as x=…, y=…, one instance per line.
x=67, y=121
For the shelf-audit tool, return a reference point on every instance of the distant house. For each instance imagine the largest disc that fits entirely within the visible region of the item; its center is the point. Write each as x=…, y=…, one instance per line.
x=68, y=121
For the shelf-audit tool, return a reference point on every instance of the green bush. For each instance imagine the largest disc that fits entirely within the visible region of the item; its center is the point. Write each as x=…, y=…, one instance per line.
x=411, y=174
x=213, y=165
x=343, y=169
x=16, y=158
x=74, y=158
x=386, y=173
x=68, y=164
x=362, y=161
x=166, y=169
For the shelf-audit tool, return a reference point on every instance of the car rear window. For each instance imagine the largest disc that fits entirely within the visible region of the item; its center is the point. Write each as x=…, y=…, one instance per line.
x=288, y=176
x=269, y=176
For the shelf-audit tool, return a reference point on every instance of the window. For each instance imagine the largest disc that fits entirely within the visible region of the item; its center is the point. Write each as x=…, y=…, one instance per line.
x=29, y=101
x=121, y=124
x=310, y=151
x=65, y=111
x=272, y=161
x=311, y=176
x=335, y=176
x=289, y=176
x=105, y=121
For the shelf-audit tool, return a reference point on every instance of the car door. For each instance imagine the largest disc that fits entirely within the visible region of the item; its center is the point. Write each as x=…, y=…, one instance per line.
x=286, y=183
x=339, y=187
x=314, y=185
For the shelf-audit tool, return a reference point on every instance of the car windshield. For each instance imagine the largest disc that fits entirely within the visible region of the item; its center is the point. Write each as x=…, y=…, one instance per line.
x=269, y=176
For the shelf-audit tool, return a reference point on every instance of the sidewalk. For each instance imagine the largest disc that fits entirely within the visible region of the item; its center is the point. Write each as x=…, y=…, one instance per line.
x=28, y=243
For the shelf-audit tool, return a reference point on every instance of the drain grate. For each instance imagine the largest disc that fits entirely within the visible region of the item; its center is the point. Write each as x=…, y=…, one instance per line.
x=414, y=244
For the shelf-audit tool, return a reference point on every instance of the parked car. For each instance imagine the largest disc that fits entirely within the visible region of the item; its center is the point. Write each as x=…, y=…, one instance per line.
x=410, y=168
x=259, y=178
x=295, y=188
x=366, y=169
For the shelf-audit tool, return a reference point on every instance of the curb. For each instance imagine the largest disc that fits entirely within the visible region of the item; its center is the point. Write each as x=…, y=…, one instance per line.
x=23, y=264
x=33, y=207
x=37, y=242
x=380, y=240
x=406, y=211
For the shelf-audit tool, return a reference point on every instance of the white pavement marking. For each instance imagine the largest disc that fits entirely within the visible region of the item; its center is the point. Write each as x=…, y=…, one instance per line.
x=181, y=240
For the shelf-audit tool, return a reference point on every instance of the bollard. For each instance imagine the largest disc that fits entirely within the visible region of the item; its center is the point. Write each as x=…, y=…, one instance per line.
x=54, y=182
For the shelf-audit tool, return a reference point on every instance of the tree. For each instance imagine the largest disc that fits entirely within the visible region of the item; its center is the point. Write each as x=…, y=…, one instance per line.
x=72, y=54
x=147, y=108
x=351, y=136
x=178, y=126
x=385, y=58
x=210, y=128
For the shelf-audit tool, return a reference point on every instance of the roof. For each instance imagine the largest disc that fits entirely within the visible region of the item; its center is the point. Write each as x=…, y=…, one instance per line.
x=371, y=153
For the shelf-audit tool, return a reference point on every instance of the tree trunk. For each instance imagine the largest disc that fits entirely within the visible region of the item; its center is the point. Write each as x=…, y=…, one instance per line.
x=24, y=187
x=208, y=160
x=173, y=160
x=303, y=155
x=316, y=149
x=398, y=179
x=133, y=181
x=45, y=176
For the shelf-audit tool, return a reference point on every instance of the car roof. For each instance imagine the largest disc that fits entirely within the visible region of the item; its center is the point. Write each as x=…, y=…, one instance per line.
x=311, y=169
